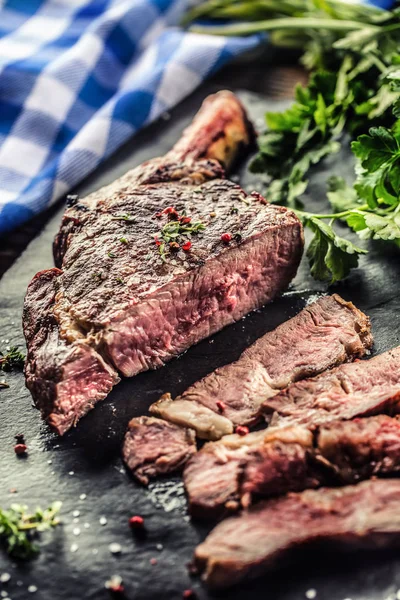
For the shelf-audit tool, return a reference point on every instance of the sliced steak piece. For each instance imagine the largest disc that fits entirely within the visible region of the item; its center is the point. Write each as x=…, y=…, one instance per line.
x=227, y=474
x=118, y=302
x=223, y=475
x=360, y=389
x=361, y=448
x=364, y=516
x=326, y=333
x=154, y=447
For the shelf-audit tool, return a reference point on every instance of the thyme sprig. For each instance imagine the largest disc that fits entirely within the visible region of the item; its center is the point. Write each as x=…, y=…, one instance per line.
x=12, y=359
x=18, y=527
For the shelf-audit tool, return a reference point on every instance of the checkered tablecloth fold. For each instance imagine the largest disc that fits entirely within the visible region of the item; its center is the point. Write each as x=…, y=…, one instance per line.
x=78, y=78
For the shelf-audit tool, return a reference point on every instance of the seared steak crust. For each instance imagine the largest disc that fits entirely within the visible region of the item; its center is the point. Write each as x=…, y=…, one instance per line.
x=116, y=303
x=227, y=474
x=76, y=377
x=154, y=447
x=242, y=547
x=354, y=390
x=326, y=333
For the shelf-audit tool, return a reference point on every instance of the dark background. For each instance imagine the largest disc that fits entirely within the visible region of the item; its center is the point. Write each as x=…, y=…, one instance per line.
x=87, y=460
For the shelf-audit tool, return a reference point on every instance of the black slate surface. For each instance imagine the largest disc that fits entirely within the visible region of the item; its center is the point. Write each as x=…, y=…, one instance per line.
x=75, y=560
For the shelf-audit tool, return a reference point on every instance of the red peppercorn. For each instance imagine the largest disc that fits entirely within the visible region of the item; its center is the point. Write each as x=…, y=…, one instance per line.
x=187, y=594
x=114, y=585
x=185, y=220
x=226, y=238
x=242, y=430
x=117, y=589
x=136, y=522
x=186, y=246
x=258, y=197
x=20, y=449
x=157, y=241
x=221, y=406
x=153, y=561
x=171, y=211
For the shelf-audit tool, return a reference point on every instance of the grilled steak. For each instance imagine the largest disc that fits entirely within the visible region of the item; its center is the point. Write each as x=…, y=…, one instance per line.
x=326, y=333
x=359, y=389
x=228, y=473
x=154, y=447
x=115, y=306
x=366, y=515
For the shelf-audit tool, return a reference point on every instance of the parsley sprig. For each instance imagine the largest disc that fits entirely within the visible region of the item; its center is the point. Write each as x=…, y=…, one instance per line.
x=18, y=528
x=353, y=54
x=12, y=359
x=177, y=231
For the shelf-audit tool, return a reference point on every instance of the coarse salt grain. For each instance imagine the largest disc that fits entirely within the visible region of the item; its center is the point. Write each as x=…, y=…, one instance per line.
x=76, y=513
x=74, y=547
x=82, y=497
x=5, y=577
x=76, y=531
x=86, y=525
x=71, y=473
x=103, y=521
x=310, y=594
x=115, y=548
x=4, y=594
x=32, y=589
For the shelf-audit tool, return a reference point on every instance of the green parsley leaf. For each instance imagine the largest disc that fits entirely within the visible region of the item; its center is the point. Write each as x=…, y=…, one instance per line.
x=18, y=528
x=331, y=257
x=12, y=359
x=341, y=196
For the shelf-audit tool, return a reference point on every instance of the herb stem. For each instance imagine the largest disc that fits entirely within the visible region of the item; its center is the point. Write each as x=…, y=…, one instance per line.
x=284, y=23
x=340, y=215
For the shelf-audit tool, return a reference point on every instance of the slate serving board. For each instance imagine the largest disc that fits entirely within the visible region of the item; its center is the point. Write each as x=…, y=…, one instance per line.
x=75, y=560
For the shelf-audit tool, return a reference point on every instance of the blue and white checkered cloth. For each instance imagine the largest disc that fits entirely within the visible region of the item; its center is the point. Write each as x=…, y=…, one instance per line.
x=78, y=78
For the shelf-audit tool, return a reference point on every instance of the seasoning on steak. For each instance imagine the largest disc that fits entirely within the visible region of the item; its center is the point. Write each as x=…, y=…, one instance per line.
x=364, y=516
x=359, y=389
x=326, y=333
x=227, y=474
x=116, y=307
x=155, y=447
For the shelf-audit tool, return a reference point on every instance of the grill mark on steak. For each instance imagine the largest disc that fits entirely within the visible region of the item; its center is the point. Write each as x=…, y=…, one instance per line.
x=324, y=334
x=227, y=474
x=117, y=307
x=364, y=516
x=359, y=389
